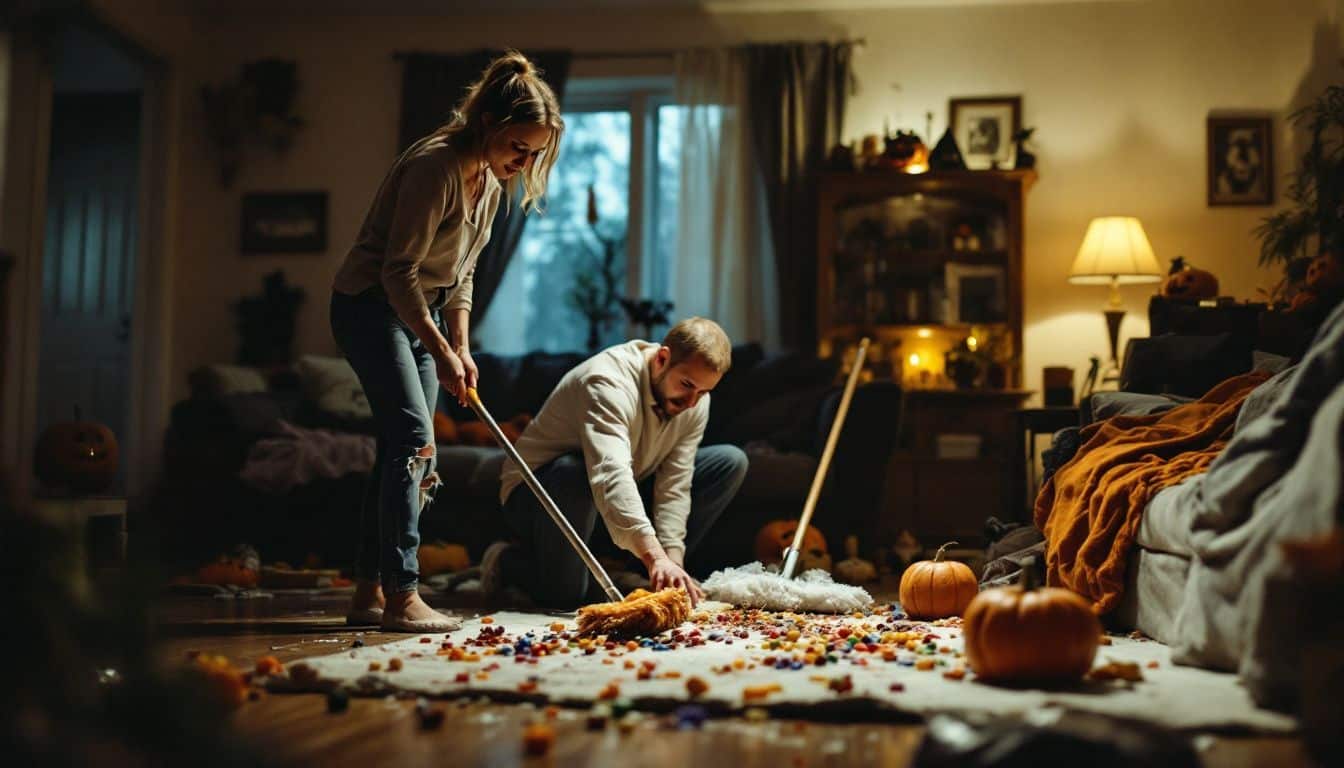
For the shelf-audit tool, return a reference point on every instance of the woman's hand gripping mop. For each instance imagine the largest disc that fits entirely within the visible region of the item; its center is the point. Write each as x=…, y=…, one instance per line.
x=756, y=586
x=639, y=613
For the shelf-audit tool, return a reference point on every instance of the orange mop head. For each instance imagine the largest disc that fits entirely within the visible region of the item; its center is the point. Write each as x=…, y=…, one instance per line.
x=640, y=613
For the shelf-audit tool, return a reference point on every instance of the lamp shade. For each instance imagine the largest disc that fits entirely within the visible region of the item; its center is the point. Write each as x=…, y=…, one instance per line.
x=1115, y=249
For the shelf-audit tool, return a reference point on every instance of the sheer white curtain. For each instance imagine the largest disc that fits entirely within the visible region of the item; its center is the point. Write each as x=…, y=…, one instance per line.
x=724, y=267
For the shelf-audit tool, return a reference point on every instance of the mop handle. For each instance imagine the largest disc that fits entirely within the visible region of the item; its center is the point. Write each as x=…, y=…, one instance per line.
x=594, y=567
x=820, y=478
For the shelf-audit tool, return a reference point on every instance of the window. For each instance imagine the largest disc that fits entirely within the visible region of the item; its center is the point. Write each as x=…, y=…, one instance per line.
x=621, y=143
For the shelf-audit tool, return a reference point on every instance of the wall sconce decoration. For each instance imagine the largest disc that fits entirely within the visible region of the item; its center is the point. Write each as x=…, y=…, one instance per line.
x=256, y=109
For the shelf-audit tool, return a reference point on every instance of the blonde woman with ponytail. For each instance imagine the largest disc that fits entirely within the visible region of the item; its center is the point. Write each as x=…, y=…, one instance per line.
x=408, y=275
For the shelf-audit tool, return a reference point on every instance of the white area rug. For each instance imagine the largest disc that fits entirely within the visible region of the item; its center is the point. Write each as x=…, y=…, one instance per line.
x=882, y=683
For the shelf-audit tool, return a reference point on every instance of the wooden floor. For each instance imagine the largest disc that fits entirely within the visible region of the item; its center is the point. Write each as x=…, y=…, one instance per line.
x=297, y=729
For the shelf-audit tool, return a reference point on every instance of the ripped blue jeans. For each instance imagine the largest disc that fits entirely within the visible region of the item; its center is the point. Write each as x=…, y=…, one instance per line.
x=399, y=380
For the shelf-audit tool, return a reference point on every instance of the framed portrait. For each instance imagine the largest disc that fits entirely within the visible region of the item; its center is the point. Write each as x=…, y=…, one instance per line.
x=976, y=293
x=1241, y=160
x=284, y=222
x=984, y=128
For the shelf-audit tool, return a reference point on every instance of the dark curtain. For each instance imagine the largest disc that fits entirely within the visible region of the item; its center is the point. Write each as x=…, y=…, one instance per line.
x=431, y=87
x=797, y=94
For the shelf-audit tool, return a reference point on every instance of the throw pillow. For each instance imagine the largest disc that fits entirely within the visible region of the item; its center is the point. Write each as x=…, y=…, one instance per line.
x=332, y=386
x=221, y=380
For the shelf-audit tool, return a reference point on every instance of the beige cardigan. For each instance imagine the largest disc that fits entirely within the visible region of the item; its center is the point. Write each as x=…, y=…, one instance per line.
x=417, y=237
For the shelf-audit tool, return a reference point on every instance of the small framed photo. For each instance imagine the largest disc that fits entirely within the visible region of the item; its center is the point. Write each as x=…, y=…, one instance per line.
x=1241, y=160
x=284, y=222
x=975, y=293
x=984, y=127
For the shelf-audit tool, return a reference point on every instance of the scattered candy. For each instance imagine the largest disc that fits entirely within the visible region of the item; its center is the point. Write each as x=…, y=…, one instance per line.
x=696, y=687
x=269, y=665
x=690, y=716
x=538, y=738
x=430, y=717
x=1117, y=670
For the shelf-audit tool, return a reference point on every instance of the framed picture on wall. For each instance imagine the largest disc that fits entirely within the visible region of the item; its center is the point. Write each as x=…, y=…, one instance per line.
x=976, y=293
x=284, y=222
x=983, y=127
x=1241, y=160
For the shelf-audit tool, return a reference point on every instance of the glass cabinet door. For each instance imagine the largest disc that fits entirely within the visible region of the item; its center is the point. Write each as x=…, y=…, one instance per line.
x=921, y=259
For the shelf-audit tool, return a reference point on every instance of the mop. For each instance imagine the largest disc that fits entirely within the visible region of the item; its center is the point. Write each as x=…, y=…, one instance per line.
x=756, y=586
x=640, y=613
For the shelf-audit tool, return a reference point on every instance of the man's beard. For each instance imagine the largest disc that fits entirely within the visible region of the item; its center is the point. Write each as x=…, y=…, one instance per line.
x=659, y=399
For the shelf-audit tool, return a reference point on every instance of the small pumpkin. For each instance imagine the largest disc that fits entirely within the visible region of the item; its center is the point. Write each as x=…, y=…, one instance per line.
x=227, y=571
x=445, y=429
x=1185, y=282
x=79, y=455
x=775, y=536
x=438, y=557
x=937, y=588
x=1025, y=634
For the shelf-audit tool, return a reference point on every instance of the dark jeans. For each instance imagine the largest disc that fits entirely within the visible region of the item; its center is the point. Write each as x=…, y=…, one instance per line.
x=399, y=380
x=554, y=574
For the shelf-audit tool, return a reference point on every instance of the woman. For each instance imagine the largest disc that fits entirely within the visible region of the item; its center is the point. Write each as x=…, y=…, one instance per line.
x=408, y=274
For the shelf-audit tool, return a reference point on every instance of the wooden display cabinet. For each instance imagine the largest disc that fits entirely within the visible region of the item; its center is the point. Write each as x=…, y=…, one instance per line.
x=923, y=264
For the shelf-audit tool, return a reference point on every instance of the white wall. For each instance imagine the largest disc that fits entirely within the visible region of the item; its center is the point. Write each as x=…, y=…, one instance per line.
x=1118, y=90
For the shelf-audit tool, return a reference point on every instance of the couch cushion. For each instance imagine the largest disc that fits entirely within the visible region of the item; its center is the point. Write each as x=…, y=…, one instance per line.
x=218, y=380
x=331, y=385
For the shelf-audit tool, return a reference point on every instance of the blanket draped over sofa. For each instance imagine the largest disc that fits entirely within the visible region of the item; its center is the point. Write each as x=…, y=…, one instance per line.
x=1090, y=509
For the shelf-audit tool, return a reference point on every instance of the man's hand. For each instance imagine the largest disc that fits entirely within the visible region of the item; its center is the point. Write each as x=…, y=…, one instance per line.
x=664, y=573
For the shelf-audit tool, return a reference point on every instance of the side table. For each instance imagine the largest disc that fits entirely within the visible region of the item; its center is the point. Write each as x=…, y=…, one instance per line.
x=1032, y=423
x=96, y=527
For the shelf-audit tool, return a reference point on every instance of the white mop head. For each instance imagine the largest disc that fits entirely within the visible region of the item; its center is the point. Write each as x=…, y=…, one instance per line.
x=753, y=586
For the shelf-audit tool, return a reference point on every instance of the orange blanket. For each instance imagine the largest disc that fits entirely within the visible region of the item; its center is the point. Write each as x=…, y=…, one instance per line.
x=1090, y=509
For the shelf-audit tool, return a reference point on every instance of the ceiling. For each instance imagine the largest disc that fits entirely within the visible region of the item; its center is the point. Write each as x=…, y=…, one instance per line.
x=473, y=7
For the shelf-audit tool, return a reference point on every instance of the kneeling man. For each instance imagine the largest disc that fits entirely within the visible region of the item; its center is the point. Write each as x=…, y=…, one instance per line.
x=621, y=428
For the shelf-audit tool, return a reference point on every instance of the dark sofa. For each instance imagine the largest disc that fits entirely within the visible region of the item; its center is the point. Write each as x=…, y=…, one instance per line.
x=777, y=407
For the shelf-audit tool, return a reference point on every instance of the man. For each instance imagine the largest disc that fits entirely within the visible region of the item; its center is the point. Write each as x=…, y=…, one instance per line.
x=622, y=427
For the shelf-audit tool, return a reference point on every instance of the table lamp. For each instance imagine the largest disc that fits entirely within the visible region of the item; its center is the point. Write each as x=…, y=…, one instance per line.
x=1115, y=250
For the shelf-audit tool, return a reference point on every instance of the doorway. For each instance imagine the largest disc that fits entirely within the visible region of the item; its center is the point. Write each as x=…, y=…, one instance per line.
x=89, y=269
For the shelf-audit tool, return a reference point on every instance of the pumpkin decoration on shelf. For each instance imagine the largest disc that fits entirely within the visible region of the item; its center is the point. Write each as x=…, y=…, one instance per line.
x=775, y=536
x=937, y=588
x=78, y=455
x=1025, y=634
x=1186, y=282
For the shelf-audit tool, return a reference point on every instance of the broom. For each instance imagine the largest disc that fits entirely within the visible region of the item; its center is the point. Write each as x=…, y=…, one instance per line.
x=819, y=479
x=642, y=613
x=753, y=585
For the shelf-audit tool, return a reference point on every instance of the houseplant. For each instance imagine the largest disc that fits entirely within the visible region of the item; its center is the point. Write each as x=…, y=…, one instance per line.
x=1314, y=223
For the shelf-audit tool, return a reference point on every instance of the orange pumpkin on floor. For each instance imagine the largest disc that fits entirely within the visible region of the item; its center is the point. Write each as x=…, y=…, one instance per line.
x=937, y=588
x=775, y=536
x=1027, y=635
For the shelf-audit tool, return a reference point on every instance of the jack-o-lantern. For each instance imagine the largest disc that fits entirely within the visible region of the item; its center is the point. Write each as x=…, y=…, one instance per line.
x=1185, y=282
x=1023, y=634
x=1325, y=275
x=775, y=536
x=79, y=455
